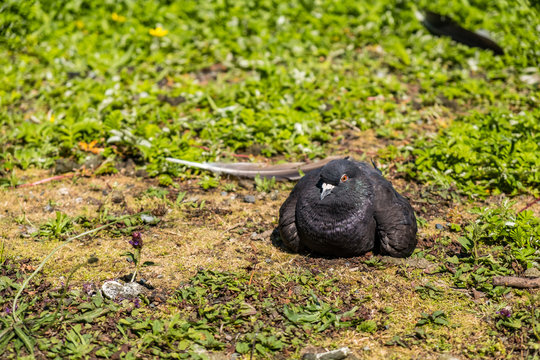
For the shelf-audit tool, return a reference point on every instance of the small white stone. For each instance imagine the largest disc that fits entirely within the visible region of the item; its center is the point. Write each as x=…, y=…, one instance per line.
x=115, y=290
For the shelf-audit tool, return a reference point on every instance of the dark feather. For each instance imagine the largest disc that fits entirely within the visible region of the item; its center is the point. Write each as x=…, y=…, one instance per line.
x=444, y=26
x=289, y=171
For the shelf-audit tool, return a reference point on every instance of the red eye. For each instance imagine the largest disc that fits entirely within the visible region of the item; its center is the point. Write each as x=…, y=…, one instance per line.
x=344, y=178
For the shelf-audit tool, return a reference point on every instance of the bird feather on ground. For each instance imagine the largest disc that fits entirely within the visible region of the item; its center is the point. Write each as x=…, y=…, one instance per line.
x=288, y=171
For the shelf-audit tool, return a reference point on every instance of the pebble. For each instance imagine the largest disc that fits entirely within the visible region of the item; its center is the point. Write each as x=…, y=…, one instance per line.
x=141, y=173
x=224, y=193
x=62, y=166
x=532, y=273
x=250, y=199
x=117, y=197
x=115, y=290
x=28, y=231
x=261, y=236
x=93, y=161
x=149, y=219
x=246, y=184
x=160, y=276
x=448, y=357
x=48, y=208
x=439, y=226
x=63, y=191
x=338, y=354
x=79, y=200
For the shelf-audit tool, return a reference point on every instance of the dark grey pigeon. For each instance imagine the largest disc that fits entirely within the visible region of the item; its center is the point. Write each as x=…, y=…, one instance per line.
x=347, y=208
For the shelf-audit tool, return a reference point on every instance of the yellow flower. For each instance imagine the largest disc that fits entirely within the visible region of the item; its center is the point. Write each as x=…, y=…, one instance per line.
x=79, y=24
x=118, y=18
x=51, y=118
x=90, y=147
x=158, y=32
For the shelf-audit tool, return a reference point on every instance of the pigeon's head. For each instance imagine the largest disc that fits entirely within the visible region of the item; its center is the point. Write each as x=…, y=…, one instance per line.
x=337, y=177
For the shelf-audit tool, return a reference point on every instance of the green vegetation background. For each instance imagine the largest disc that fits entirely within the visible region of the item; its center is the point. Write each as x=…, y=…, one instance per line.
x=279, y=78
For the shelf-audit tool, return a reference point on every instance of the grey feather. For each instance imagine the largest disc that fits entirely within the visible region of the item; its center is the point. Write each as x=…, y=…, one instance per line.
x=289, y=171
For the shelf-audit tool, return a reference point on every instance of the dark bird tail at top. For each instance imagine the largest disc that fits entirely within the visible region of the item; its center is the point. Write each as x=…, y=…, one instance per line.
x=442, y=25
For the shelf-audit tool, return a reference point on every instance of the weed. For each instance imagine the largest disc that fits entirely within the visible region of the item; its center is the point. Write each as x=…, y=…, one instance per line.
x=436, y=318
x=136, y=243
x=3, y=253
x=165, y=180
x=180, y=197
x=264, y=184
x=57, y=228
x=519, y=232
x=229, y=187
x=429, y=291
x=156, y=192
x=10, y=181
x=483, y=154
x=522, y=321
x=209, y=182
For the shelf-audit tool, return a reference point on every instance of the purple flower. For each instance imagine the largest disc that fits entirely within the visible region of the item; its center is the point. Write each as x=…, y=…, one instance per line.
x=137, y=302
x=136, y=240
x=87, y=287
x=504, y=313
x=8, y=310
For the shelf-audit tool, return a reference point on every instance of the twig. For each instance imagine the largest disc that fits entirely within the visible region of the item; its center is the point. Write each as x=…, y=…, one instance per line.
x=251, y=277
x=530, y=204
x=351, y=126
x=25, y=283
x=42, y=181
x=232, y=227
x=516, y=281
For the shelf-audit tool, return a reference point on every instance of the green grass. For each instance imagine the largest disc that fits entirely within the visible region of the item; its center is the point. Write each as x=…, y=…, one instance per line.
x=480, y=154
x=290, y=75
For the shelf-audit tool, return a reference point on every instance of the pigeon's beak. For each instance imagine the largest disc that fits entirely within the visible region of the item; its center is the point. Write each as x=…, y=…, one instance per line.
x=326, y=189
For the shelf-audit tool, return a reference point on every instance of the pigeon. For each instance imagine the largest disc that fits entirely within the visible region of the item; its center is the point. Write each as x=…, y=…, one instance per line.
x=345, y=209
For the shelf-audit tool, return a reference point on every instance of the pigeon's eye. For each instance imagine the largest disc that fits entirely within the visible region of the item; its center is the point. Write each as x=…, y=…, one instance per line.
x=344, y=178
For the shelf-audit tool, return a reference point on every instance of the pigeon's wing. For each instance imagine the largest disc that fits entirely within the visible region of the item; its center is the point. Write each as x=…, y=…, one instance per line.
x=396, y=223
x=287, y=212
